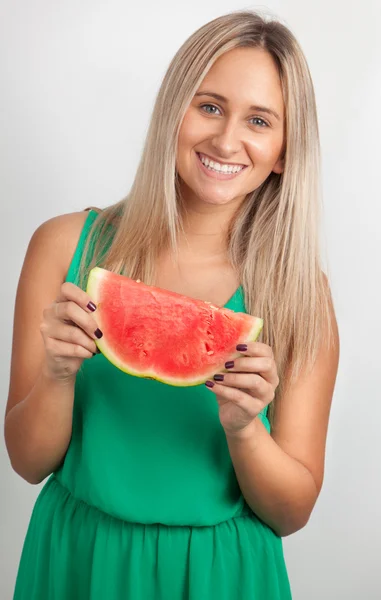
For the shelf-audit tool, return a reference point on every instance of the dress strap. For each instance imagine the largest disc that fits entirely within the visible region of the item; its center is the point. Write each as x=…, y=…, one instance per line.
x=73, y=272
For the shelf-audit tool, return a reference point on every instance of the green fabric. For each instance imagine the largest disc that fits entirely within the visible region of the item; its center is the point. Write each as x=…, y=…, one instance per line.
x=146, y=505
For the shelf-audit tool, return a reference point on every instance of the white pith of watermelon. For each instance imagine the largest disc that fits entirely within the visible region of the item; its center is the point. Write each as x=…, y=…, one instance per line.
x=153, y=333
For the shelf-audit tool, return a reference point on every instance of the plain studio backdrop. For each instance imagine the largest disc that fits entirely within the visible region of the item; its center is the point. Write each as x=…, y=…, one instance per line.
x=78, y=82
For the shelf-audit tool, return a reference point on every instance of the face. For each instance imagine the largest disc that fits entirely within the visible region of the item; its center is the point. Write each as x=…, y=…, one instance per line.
x=232, y=130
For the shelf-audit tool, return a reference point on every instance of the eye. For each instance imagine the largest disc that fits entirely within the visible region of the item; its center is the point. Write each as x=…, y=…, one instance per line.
x=206, y=106
x=265, y=124
x=209, y=106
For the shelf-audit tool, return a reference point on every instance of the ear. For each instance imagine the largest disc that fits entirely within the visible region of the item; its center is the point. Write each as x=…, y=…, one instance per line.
x=279, y=166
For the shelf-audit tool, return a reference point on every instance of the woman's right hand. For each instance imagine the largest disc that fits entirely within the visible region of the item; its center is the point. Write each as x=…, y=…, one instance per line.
x=68, y=330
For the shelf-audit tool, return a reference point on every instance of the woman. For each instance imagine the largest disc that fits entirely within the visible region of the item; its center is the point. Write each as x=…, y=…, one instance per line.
x=159, y=492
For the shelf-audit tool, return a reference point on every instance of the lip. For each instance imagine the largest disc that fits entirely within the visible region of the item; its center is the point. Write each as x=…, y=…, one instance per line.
x=221, y=162
x=214, y=174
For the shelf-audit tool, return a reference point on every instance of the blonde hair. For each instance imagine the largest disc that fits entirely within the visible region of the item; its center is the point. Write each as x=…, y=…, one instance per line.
x=274, y=240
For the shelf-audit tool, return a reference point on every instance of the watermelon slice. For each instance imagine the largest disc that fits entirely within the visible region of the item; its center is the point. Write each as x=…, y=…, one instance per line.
x=153, y=333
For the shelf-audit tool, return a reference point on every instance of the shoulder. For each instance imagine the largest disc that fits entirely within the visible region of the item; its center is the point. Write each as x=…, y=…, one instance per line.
x=58, y=238
x=46, y=263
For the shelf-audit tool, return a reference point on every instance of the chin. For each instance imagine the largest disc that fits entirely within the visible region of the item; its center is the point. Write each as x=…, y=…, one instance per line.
x=201, y=194
x=217, y=201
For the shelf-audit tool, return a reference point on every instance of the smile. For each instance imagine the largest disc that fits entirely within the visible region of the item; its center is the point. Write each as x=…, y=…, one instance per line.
x=218, y=171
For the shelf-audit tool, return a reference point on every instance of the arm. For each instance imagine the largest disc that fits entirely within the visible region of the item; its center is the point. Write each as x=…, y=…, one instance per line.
x=281, y=474
x=38, y=416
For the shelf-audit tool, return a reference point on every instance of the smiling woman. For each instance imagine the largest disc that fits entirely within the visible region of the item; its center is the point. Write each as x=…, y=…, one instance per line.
x=227, y=136
x=158, y=492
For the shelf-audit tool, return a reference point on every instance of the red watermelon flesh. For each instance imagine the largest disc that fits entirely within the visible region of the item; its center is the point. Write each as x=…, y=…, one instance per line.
x=151, y=332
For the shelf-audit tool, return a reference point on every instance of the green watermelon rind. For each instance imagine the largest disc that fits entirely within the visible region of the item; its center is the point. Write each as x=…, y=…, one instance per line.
x=95, y=276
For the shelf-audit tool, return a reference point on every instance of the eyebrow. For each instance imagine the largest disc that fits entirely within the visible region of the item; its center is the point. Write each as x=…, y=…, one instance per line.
x=264, y=109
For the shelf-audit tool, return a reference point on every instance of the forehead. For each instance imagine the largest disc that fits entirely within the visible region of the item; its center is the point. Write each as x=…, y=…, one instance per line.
x=246, y=76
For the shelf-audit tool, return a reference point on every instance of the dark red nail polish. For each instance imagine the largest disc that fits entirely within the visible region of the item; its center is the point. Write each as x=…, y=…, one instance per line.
x=218, y=377
x=229, y=364
x=209, y=384
x=98, y=333
x=242, y=347
x=91, y=306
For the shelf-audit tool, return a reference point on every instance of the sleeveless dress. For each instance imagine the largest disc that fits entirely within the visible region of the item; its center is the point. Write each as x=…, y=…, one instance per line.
x=146, y=505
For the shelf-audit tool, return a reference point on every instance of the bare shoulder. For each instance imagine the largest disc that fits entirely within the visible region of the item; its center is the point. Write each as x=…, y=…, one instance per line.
x=58, y=237
x=46, y=263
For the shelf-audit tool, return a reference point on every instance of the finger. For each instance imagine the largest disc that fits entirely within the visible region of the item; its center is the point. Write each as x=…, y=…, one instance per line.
x=250, y=382
x=66, y=350
x=255, y=349
x=71, y=312
x=70, y=334
x=239, y=397
x=71, y=292
x=264, y=366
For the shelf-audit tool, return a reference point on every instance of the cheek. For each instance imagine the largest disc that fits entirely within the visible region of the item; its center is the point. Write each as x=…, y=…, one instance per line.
x=190, y=133
x=264, y=150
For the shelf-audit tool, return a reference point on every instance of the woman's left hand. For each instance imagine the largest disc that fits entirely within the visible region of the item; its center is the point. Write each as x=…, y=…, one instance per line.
x=247, y=388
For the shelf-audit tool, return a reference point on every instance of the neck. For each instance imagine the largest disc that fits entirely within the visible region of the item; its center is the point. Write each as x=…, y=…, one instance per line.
x=205, y=229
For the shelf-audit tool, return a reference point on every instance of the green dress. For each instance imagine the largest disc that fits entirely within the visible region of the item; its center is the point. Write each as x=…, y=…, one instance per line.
x=146, y=505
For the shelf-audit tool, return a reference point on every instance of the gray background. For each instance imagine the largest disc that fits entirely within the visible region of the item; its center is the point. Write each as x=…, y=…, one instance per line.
x=78, y=80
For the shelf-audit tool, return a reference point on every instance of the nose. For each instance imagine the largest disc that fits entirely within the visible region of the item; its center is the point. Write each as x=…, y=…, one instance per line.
x=227, y=140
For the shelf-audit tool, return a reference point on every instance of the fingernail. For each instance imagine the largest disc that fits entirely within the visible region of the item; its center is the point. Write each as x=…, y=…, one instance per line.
x=229, y=364
x=209, y=384
x=98, y=333
x=218, y=377
x=242, y=347
x=91, y=306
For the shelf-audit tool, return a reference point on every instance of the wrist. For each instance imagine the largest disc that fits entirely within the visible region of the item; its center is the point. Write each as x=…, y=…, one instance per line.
x=243, y=435
x=49, y=378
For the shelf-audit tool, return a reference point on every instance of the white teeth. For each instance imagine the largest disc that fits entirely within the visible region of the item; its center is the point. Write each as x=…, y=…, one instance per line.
x=215, y=166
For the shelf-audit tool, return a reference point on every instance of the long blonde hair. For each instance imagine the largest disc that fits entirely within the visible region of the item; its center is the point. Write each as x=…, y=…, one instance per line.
x=274, y=240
